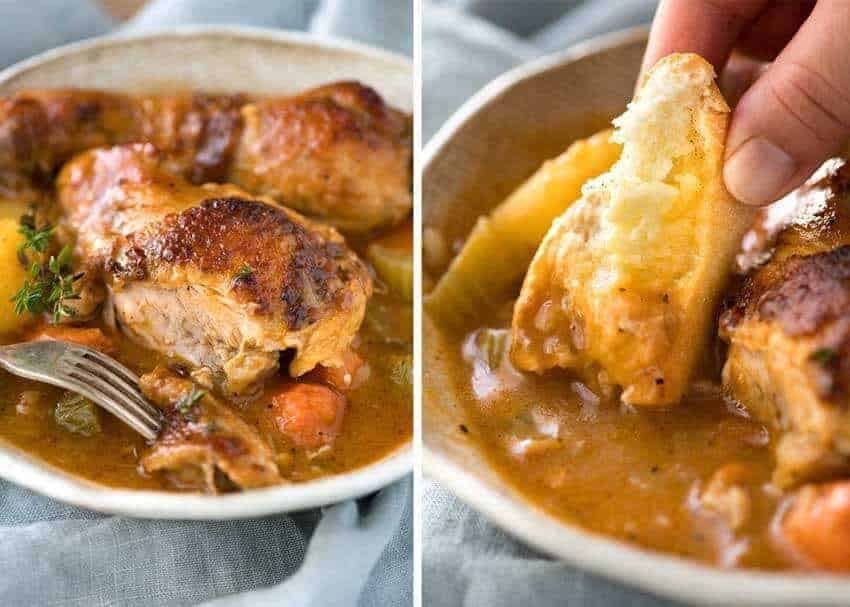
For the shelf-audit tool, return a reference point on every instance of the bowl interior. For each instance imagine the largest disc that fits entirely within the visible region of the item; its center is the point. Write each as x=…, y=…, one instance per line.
x=488, y=148
x=219, y=60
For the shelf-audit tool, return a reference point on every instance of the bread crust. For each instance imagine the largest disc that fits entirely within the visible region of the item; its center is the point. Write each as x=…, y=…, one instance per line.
x=644, y=330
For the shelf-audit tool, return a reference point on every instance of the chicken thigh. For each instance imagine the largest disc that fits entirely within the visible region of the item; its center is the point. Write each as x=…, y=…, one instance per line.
x=210, y=275
x=788, y=328
x=337, y=152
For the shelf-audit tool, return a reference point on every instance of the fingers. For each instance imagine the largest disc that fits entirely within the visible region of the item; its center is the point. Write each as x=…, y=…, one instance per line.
x=797, y=114
x=739, y=75
x=765, y=37
x=707, y=27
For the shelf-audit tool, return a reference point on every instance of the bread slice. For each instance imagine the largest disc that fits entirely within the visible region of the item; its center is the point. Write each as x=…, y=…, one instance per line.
x=624, y=287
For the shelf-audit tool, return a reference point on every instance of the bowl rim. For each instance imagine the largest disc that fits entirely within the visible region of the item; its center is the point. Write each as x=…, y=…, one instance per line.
x=659, y=573
x=35, y=474
x=295, y=38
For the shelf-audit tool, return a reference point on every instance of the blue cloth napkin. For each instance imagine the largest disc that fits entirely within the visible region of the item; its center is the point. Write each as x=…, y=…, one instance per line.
x=466, y=43
x=354, y=553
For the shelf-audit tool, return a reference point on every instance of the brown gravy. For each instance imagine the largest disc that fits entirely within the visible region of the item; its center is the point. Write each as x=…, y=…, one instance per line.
x=634, y=475
x=378, y=419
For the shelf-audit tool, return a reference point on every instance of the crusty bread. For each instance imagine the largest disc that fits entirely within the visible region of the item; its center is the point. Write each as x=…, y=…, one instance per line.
x=624, y=287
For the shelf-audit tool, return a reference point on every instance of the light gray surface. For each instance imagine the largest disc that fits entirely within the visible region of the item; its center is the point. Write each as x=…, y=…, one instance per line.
x=466, y=43
x=355, y=553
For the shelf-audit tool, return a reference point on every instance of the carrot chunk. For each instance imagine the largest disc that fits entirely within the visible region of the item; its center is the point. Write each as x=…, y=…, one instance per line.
x=85, y=336
x=310, y=415
x=817, y=525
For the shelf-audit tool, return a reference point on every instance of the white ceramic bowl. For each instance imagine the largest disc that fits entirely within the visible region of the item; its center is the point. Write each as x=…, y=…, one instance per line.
x=488, y=147
x=216, y=59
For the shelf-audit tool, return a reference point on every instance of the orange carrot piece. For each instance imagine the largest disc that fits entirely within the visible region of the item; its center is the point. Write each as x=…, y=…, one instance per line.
x=85, y=336
x=310, y=415
x=818, y=525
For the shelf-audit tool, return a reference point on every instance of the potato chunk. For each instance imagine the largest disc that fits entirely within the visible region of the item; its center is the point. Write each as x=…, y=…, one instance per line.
x=624, y=286
x=501, y=245
x=14, y=272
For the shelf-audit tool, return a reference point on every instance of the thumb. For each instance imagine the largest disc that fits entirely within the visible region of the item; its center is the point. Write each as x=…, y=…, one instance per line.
x=797, y=114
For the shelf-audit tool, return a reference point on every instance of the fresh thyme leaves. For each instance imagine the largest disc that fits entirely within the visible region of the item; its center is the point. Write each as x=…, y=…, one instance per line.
x=35, y=238
x=244, y=272
x=188, y=400
x=823, y=356
x=49, y=288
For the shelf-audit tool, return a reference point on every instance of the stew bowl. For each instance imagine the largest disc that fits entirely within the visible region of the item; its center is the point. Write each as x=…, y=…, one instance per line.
x=496, y=140
x=224, y=60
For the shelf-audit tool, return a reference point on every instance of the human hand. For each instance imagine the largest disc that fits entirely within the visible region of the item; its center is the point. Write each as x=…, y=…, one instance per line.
x=796, y=113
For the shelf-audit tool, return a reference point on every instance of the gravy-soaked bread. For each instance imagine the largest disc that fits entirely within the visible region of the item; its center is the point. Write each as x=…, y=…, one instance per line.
x=788, y=329
x=624, y=287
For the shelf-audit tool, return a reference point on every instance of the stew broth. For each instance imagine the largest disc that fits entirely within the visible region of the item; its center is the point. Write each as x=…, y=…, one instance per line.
x=377, y=421
x=635, y=475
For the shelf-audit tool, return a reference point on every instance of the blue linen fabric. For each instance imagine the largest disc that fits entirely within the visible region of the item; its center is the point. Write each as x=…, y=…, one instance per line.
x=354, y=553
x=466, y=43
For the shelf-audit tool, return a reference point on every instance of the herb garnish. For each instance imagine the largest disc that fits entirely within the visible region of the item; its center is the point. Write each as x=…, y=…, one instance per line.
x=51, y=284
x=823, y=356
x=188, y=400
x=244, y=272
x=35, y=238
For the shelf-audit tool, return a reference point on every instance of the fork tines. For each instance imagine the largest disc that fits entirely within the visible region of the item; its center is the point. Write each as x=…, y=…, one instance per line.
x=113, y=386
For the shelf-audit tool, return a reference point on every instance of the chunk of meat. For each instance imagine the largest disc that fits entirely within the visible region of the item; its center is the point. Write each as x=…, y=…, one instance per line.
x=202, y=439
x=85, y=336
x=817, y=526
x=310, y=415
x=210, y=275
x=624, y=287
x=337, y=152
x=788, y=328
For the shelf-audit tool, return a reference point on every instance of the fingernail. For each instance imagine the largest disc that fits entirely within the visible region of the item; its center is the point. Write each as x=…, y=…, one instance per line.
x=757, y=172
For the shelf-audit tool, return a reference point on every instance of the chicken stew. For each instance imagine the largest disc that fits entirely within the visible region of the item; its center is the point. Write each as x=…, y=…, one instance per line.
x=749, y=467
x=167, y=231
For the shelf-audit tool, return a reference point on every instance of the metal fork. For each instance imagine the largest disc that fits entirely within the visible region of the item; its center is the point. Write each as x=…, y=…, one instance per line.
x=101, y=379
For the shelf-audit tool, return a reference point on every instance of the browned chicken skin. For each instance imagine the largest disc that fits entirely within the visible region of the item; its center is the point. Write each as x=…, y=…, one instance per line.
x=337, y=152
x=202, y=437
x=210, y=275
x=788, y=329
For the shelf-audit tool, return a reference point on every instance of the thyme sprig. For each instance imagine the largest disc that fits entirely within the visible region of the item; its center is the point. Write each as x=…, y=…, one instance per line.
x=51, y=282
x=35, y=238
x=50, y=286
x=244, y=272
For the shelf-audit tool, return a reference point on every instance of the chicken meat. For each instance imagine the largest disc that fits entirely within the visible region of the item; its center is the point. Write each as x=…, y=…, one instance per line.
x=338, y=153
x=788, y=328
x=203, y=440
x=211, y=276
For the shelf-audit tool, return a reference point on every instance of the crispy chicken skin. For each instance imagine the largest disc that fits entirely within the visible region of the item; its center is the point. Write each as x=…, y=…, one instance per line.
x=337, y=152
x=217, y=278
x=788, y=329
x=203, y=439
